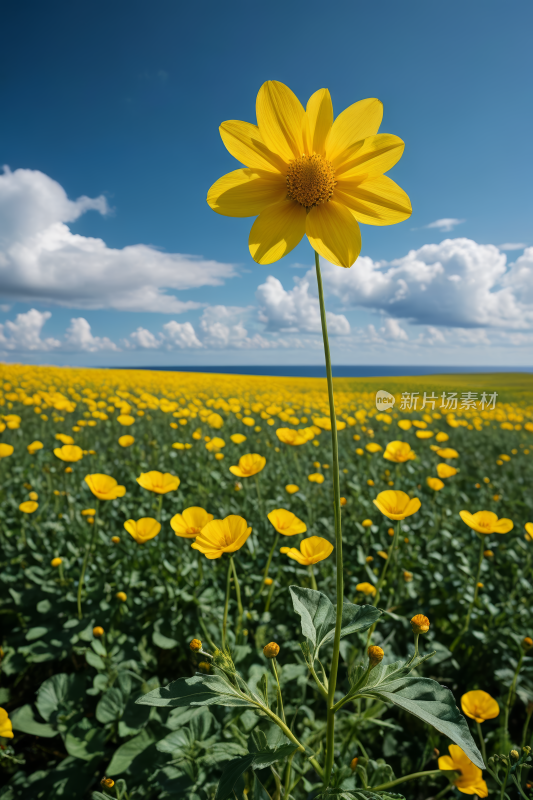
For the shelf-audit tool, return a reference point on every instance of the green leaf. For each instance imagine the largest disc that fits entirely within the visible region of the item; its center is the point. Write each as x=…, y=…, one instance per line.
x=24, y=720
x=198, y=690
x=164, y=642
x=110, y=707
x=178, y=741
x=232, y=772
x=432, y=703
x=124, y=756
x=59, y=694
x=85, y=740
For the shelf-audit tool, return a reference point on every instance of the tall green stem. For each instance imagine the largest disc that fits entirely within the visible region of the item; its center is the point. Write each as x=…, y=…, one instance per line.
x=474, y=599
x=88, y=550
x=482, y=742
x=330, y=736
x=281, y=710
x=226, y=604
x=238, y=593
x=269, y=561
x=510, y=697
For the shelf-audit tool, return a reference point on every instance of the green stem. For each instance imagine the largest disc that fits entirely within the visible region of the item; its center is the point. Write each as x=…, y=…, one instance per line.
x=410, y=777
x=330, y=742
x=226, y=605
x=86, y=559
x=280, y=699
x=269, y=561
x=159, y=507
x=288, y=770
x=526, y=726
x=313, y=579
x=474, y=599
x=238, y=593
x=504, y=784
x=482, y=742
x=510, y=697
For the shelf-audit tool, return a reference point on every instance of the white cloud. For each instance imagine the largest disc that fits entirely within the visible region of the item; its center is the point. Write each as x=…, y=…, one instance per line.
x=41, y=259
x=80, y=339
x=519, y=280
x=143, y=340
x=180, y=335
x=512, y=246
x=24, y=333
x=296, y=309
x=444, y=225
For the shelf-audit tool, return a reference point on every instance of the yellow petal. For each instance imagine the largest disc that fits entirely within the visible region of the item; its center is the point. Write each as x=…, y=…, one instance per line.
x=375, y=201
x=319, y=112
x=280, y=119
x=246, y=192
x=373, y=156
x=245, y=143
x=277, y=231
x=356, y=122
x=334, y=233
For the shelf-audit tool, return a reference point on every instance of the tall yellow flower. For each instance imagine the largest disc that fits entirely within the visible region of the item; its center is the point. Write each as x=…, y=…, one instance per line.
x=191, y=522
x=104, y=487
x=286, y=523
x=143, y=529
x=486, y=522
x=158, y=482
x=215, y=444
x=6, y=728
x=249, y=465
x=34, y=447
x=311, y=550
x=222, y=536
x=126, y=440
x=396, y=505
x=435, y=483
x=308, y=174
x=399, y=452
x=28, y=507
x=470, y=780
x=292, y=437
x=6, y=450
x=447, y=452
x=238, y=438
x=445, y=471
x=69, y=452
x=479, y=705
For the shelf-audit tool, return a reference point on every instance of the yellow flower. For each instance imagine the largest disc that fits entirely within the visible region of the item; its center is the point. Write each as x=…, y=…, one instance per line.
x=6, y=728
x=420, y=623
x=88, y=512
x=442, y=437
x=190, y=523
x=104, y=487
x=34, y=446
x=405, y=424
x=291, y=436
x=28, y=507
x=291, y=488
x=69, y=452
x=195, y=645
x=396, y=505
x=375, y=655
x=98, y=631
x=158, y=482
x=486, y=522
x=479, y=705
x=126, y=440
x=215, y=444
x=307, y=174
x=366, y=588
x=367, y=523
x=286, y=523
x=6, y=450
x=311, y=550
x=407, y=576
x=33, y=496
x=383, y=554
x=373, y=447
x=324, y=423
x=399, y=452
x=222, y=536
x=249, y=465
x=125, y=419
x=115, y=539
x=143, y=529
x=360, y=451
x=248, y=421
x=470, y=780
x=528, y=536
x=64, y=438
x=316, y=477
x=424, y=434
x=445, y=471
x=447, y=452
x=238, y=438
x=56, y=562
x=215, y=421
x=271, y=650
x=122, y=596
x=435, y=483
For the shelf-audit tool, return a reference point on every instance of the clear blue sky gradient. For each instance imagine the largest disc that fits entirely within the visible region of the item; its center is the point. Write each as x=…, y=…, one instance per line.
x=125, y=98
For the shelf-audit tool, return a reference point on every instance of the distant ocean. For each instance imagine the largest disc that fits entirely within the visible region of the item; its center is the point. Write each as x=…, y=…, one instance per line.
x=339, y=371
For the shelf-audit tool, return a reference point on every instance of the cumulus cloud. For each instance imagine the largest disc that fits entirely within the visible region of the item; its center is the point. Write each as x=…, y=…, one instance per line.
x=79, y=338
x=42, y=260
x=295, y=310
x=444, y=225
x=23, y=334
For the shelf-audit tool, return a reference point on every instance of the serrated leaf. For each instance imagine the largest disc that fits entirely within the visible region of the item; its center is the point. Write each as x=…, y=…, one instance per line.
x=198, y=690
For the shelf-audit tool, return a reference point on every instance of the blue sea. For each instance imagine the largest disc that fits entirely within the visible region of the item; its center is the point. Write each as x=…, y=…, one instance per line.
x=339, y=371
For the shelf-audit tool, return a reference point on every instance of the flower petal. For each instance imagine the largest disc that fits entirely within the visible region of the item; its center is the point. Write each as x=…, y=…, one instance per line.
x=319, y=112
x=277, y=231
x=245, y=143
x=280, y=118
x=376, y=201
x=246, y=192
x=356, y=122
x=373, y=156
x=334, y=233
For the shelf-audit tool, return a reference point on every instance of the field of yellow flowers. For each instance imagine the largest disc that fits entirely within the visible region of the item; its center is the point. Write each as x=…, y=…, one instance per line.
x=151, y=525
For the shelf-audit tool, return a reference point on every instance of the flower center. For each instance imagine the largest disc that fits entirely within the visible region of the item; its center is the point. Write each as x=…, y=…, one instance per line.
x=310, y=180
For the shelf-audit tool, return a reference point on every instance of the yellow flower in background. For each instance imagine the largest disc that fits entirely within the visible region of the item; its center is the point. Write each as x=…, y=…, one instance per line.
x=435, y=483
x=486, y=522
x=122, y=596
x=367, y=523
x=447, y=452
x=291, y=488
x=104, y=487
x=125, y=419
x=324, y=423
x=215, y=421
x=238, y=438
x=479, y=705
x=399, y=452
x=445, y=471
x=190, y=522
x=34, y=447
x=28, y=507
x=215, y=444
x=6, y=450
x=405, y=424
x=442, y=437
x=311, y=550
x=286, y=523
x=308, y=174
x=470, y=780
x=396, y=505
x=292, y=437
x=316, y=477
x=56, y=562
x=424, y=434
x=222, y=536
x=248, y=421
x=88, y=512
x=126, y=440
x=529, y=531
x=142, y=530
x=249, y=465
x=373, y=447
x=33, y=496
x=64, y=438
x=158, y=482
x=69, y=452
x=366, y=589
x=6, y=727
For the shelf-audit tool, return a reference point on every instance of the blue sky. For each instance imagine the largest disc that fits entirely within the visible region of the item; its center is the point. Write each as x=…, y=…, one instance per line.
x=121, y=103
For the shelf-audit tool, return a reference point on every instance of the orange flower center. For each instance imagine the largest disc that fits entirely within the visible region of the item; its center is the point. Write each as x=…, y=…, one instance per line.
x=310, y=180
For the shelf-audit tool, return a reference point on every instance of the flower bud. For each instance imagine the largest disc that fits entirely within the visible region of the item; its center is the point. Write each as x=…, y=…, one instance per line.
x=98, y=631
x=343, y=501
x=514, y=754
x=55, y=562
x=488, y=553
x=195, y=645
x=268, y=581
x=420, y=624
x=375, y=655
x=115, y=539
x=204, y=666
x=479, y=585
x=527, y=643
x=271, y=650
x=107, y=783
x=353, y=764
x=436, y=752
x=122, y=596
x=407, y=576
